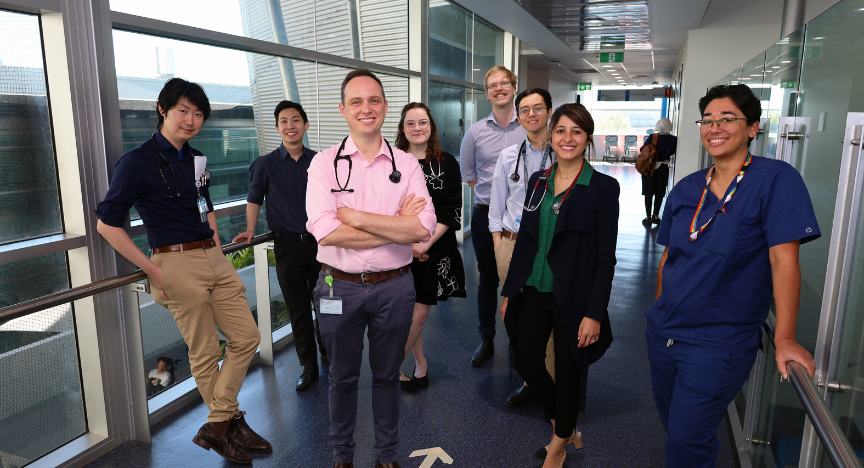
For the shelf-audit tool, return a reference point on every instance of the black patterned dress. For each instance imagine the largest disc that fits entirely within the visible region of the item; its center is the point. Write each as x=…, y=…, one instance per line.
x=442, y=275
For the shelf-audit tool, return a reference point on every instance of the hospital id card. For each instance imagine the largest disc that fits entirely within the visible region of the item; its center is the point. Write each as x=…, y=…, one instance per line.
x=331, y=305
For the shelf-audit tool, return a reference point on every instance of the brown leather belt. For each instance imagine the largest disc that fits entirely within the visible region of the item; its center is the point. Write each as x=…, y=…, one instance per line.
x=203, y=244
x=365, y=278
x=509, y=234
x=482, y=207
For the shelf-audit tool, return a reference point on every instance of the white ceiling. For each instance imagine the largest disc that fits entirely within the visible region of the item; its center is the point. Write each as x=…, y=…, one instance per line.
x=567, y=34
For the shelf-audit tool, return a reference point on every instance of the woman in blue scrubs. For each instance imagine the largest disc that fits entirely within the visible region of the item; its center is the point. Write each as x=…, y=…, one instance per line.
x=732, y=234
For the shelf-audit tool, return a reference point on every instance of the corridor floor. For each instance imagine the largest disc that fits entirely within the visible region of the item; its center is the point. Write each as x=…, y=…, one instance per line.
x=463, y=410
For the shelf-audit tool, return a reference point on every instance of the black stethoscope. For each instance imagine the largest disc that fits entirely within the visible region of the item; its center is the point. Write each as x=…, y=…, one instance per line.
x=160, y=161
x=395, y=176
x=515, y=175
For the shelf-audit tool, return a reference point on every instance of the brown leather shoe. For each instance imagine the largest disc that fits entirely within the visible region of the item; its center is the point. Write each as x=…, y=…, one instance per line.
x=521, y=396
x=343, y=465
x=224, y=446
x=393, y=464
x=246, y=438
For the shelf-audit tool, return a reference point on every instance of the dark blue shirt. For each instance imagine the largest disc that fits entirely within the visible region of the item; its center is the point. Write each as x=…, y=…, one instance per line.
x=137, y=182
x=717, y=290
x=283, y=181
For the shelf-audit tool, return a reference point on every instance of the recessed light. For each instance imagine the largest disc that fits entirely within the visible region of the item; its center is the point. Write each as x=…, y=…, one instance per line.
x=785, y=61
x=818, y=38
x=861, y=9
x=776, y=66
x=607, y=66
x=768, y=71
x=746, y=78
x=757, y=75
x=616, y=74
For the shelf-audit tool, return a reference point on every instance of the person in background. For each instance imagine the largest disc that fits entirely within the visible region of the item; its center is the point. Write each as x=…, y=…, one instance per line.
x=560, y=278
x=732, y=234
x=654, y=186
x=481, y=146
x=512, y=171
x=160, y=378
x=437, y=265
x=280, y=177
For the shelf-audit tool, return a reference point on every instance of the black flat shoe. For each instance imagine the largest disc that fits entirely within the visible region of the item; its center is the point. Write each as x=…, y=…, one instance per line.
x=408, y=385
x=483, y=353
x=421, y=382
x=655, y=219
x=646, y=222
x=521, y=396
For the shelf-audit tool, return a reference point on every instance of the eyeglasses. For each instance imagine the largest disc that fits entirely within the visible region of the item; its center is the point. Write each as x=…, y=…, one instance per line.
x=725, y=123
x=419, y=124
x=526, y=111
x=502, y=85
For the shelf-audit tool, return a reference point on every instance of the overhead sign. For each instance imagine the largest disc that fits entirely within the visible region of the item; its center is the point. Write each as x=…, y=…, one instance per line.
x=810, y=51
x=611, y=57
x=648, y=94
x=432, y=454
x=584, y=86
x=788, y=84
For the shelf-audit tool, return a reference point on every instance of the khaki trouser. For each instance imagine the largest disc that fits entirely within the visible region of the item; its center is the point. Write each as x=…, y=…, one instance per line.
x=503, y=254
x=204, y=290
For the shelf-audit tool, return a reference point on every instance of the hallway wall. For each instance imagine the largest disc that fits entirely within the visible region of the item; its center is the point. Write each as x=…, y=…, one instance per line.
x=731, y=33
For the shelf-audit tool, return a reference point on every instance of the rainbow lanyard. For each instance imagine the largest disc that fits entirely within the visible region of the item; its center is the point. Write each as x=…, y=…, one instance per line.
x=694, y=233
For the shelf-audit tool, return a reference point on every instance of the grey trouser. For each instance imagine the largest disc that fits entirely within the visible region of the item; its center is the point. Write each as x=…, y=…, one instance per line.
x=386, y=308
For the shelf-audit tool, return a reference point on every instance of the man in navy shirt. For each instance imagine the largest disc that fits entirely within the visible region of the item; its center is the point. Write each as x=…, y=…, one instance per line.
x=188, y=273
x=281, y=177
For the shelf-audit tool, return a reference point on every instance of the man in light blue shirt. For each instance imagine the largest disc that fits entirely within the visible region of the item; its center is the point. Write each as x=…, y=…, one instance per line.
x=479, y=152
x=512, y=171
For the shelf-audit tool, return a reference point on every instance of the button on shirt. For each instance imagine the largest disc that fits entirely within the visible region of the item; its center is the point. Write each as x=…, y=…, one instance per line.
x=508, y=197
x=717, y=290
x=137, y=182
x=373, y=193
x=480, y=149
x=283, y=181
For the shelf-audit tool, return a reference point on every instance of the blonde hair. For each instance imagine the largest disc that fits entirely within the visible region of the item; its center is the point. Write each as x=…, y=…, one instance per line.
x=500, y=68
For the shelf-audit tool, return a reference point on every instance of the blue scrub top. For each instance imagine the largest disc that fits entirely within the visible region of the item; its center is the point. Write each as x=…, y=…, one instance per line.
x=718, y=289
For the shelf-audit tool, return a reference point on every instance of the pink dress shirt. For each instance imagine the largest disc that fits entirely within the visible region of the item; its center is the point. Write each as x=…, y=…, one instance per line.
x=373, y=193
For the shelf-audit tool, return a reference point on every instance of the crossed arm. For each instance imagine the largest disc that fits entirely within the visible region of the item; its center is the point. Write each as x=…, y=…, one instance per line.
x=362, y=230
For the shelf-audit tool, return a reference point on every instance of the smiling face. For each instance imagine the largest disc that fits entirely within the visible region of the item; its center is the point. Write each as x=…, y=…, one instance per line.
x=533, y=122
x=499, y=96
x=731, y=139
x=364, y=108
x=416, y=127
x=182, y=122
x=568, y=140
x=291, y=126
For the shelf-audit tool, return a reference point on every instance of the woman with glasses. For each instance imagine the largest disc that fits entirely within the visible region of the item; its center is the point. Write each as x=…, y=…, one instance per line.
x=437, y=265
x=732, y=234
x=560, y=277
x=654, y=185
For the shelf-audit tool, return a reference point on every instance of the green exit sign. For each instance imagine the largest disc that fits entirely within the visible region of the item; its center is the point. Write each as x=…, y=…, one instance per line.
x=787, y=84
x=811, y=51
x=584, y=86
x=611, y=57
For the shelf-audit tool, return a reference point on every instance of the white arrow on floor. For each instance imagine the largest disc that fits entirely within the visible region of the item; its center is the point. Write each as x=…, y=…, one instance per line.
x=432, y=454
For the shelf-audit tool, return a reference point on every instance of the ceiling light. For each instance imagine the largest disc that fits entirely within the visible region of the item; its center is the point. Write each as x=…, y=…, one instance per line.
x=607, y=66
x=786, y=61
x=746, y=78
x=768, y=71
x=861, y=9
x=757, y=75
x=818, y=38
x=776, y=66
x=616, y=74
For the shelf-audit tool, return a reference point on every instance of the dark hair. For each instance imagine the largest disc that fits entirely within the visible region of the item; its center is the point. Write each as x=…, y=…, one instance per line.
x=741, y=95
x=174, y=90
x=289, y=105
x=166, y=360
x=547, y=98
x=356, y=74
x=433, y=146
x=579, y=115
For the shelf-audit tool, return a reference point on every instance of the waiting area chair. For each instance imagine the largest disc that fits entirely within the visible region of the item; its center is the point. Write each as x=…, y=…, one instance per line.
x=630, y=141
x=611, y=144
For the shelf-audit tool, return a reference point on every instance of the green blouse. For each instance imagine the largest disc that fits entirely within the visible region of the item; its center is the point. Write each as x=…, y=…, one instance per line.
x=541, y=274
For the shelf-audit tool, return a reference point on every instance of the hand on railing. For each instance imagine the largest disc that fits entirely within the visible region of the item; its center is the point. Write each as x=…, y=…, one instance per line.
x=244, y=237
x=788, y=350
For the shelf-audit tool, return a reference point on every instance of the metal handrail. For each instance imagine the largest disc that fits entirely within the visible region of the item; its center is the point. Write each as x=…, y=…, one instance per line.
x=52, y=300
x=833, y=439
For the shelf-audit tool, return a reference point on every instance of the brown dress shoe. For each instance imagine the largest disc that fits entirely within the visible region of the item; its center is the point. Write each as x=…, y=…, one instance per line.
x=343, y=465
x=224, y=445
x=393, y=464
x=519, y=397
x=246, y=438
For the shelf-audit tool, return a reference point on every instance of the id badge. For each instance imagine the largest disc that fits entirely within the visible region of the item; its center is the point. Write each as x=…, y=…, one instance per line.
x=331, y=305
x=202, y=209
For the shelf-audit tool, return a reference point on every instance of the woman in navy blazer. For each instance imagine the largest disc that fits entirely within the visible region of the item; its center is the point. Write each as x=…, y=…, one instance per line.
x=560, y=277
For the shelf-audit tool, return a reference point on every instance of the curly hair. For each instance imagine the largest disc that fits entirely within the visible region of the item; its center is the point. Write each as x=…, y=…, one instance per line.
x=433, y=146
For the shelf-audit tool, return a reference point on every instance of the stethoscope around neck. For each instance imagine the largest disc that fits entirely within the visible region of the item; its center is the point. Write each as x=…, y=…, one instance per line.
x=515, y=175
x=395, y=176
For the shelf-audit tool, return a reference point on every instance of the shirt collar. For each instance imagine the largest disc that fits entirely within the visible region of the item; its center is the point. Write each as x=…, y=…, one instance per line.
x=351, y=148
x=283, y=152
x=163, y=144
x=491, y=117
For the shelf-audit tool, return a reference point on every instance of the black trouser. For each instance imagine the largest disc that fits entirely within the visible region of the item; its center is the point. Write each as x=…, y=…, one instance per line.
x=658, y=202
x=536, y=317
x=297, y=271
x=487, y=286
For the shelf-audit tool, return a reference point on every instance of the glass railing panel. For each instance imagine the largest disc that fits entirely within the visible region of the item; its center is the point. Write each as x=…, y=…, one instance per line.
x=782, y=70
x=41, y=399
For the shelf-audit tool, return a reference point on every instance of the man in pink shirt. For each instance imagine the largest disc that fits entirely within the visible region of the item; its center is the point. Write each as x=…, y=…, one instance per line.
x=366, y=204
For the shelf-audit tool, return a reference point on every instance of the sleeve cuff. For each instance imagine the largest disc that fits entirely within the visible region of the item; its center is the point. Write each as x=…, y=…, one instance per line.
x=428, y=220
x=322, y=228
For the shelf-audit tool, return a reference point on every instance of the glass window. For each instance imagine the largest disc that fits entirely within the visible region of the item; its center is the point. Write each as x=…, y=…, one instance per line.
x=488, y=49
x=370, y=30
x=450, y=40
x=29, y=194
x=454, y=109
x=35, y=277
